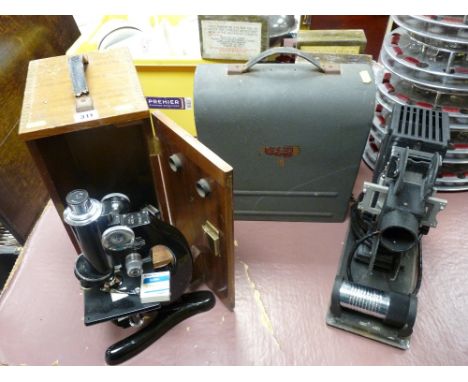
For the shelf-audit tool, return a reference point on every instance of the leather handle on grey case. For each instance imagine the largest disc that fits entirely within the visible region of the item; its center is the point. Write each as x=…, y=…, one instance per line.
x=244, y=68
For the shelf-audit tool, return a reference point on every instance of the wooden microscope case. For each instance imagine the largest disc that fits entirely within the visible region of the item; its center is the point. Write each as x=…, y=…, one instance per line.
x=117, y=147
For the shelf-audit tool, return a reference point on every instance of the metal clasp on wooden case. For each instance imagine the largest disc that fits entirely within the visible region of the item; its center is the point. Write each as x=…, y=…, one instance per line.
x=212, y=233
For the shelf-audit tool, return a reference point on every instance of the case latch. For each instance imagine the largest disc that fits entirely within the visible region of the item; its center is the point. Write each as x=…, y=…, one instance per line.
x=212, y=233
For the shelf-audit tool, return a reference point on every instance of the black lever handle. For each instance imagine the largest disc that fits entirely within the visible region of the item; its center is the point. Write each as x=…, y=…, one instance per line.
x=188, y=305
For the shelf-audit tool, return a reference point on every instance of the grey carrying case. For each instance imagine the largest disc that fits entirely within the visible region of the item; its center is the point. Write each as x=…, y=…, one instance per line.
x=294, y=133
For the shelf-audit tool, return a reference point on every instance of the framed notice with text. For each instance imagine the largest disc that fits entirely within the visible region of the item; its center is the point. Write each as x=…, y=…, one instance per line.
x=232, y=37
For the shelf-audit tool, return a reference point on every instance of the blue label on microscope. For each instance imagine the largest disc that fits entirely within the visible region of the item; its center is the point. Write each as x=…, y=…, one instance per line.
x=155, y=279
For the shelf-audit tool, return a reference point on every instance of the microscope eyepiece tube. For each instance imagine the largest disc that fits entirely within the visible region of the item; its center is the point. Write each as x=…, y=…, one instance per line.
x=83, y=214
x=78, y=201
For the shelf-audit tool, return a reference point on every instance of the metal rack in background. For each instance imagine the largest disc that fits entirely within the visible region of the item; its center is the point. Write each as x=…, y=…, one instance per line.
x=8, y=243
x=425, y=63
x=9, y=252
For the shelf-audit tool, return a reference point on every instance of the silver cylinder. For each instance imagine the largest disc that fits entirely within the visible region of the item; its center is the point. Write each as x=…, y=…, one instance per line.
x=79, y=203
x=370, y=301
x=134, y=264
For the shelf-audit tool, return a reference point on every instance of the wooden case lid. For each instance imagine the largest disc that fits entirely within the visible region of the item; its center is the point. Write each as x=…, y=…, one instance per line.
x=49, y=105
x=206, y=221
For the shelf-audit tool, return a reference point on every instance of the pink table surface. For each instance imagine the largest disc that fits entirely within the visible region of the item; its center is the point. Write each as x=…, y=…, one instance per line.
x=284, y=274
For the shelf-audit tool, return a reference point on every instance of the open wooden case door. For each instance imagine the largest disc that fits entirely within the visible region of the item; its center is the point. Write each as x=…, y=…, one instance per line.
x=86, y=123
x=105, y=151
x=194, y=190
